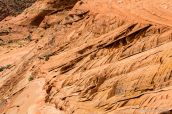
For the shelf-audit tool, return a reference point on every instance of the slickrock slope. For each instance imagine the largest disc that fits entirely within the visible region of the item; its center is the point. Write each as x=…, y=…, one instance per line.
x=87, y=57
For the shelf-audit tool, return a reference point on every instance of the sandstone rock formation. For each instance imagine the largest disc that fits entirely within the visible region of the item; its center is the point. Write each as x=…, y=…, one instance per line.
x=87, y=57
x=13, y=7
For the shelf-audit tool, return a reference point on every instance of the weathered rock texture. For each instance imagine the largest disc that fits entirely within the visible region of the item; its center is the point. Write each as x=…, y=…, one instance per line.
x=13, y=7
x=87, y=57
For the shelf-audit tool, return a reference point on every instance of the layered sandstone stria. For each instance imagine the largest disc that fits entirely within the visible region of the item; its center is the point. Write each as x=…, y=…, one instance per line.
x=87, y=57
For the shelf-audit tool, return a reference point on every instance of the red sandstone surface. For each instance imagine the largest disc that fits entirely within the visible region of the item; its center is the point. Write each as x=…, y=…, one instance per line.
x=87, y=57
x=13, y=7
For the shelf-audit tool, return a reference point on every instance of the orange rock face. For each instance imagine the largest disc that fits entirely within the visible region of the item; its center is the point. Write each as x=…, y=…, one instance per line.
x=87, y=57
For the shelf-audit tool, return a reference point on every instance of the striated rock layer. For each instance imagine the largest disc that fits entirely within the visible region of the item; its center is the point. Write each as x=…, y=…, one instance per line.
x=87, y=57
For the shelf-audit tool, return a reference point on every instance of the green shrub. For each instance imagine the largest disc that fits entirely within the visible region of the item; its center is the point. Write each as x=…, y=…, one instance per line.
x=30, y=78
x=2, y=68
